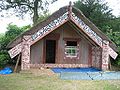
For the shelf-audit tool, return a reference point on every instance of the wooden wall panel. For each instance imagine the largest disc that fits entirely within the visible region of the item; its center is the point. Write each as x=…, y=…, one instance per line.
x=64, y=31
x=84, y=52
x=96, y=57
x=36, y=52
x=67, y=32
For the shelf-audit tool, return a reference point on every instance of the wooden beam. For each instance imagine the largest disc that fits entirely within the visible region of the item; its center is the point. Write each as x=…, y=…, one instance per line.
x=18, y=59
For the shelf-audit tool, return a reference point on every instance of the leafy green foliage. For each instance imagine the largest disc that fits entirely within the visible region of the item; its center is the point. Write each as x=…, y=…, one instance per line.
x=100, y=14
x=4, y=58
x=13, y=32
x=1, y=35
x=115, y=36
x=32, y=7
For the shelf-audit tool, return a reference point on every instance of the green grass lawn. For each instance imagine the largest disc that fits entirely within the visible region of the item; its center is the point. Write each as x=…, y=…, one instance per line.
x=30, y=81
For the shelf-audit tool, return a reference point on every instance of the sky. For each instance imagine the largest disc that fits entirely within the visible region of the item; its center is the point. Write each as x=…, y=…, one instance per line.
x=113, y=4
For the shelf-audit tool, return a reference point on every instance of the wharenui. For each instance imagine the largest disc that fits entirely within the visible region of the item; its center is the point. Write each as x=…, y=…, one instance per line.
x=66, y=39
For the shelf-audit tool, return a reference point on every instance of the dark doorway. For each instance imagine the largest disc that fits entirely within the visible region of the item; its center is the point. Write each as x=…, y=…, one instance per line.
x=50, y=51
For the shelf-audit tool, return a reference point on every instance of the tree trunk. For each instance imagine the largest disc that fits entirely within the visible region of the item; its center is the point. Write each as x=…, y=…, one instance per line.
x=35, y=12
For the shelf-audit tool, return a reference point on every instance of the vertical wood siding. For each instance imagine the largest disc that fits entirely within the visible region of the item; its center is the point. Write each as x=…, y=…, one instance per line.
x=36, y=52
x=64, y=31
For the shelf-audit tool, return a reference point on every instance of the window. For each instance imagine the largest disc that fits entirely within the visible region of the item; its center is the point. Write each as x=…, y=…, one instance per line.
x=71, y=49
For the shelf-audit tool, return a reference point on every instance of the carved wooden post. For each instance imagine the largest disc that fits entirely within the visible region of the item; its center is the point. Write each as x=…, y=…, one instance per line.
x=96, y=57
x=25, y=64
x=105, y=55
x=70, y=9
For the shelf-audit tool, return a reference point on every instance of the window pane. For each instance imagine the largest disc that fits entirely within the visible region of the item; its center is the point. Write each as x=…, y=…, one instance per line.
x=71, y=51
x=68, y=50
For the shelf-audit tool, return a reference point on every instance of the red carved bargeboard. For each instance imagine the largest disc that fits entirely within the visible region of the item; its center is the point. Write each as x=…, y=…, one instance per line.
x=105, y=55
x=26, y=53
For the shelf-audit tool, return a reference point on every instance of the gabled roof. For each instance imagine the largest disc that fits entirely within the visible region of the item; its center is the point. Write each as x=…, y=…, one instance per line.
x=37, y=27
x=56, y=15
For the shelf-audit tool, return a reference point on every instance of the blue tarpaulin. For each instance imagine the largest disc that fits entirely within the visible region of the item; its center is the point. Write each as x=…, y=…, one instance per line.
x=59, y=70
x=85, y=74
x=6, y=70
x=74, y=76
x=90, y=75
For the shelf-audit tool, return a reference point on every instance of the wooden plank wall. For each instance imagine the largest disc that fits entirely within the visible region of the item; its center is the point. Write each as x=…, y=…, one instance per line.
x=65, y=31
x=96, y=57
x=36, y=51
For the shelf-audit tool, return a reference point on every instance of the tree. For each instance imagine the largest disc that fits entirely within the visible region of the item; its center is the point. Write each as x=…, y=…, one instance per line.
x=13, y=31
x=96, y=11
x=1, y=35
x=100, y=14
x=43, y=17
x=114, y=34
x=114, y=25
x=34, y=7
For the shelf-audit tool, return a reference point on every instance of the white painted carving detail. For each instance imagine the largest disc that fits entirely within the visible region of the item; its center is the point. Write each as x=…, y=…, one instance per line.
x=112, y=53
x=15, y=50
x=50, y=26
x=26, y=53
x=87, y=30
x=25, y=49
x=105, y=55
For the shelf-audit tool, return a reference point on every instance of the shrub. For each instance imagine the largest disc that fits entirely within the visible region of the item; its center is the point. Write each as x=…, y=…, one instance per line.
x=4, y=58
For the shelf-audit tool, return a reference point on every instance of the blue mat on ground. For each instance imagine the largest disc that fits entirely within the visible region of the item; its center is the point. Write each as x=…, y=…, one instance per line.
x=110, y=75
x=90, y=75
x=85, y=74
x=59, y=70
x=74, y=76
x=6, y=70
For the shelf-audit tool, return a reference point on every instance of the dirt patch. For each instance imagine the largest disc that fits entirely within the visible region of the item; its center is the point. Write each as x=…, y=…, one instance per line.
x=39, y=72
